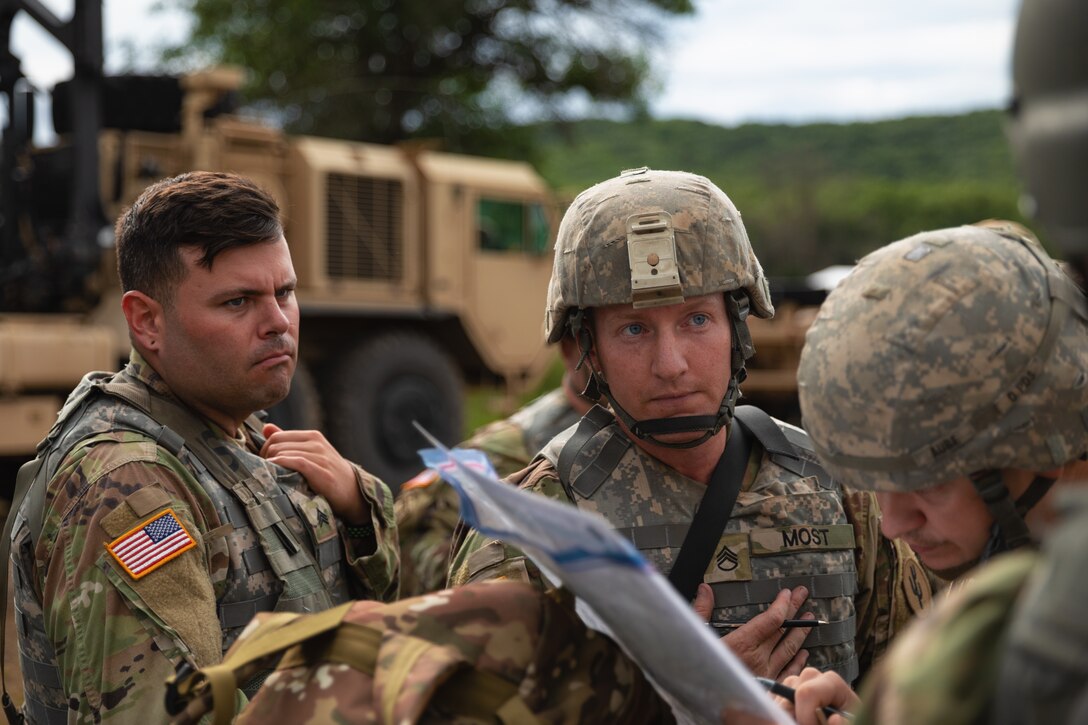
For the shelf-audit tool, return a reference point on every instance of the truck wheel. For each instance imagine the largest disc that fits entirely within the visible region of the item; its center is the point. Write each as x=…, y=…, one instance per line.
x=377, y=390
x=301, y=409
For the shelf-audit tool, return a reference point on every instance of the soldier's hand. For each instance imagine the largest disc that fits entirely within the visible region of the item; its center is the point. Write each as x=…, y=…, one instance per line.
x=814, y=690
x=761, y=644
x=325, y=470
x=704, y=601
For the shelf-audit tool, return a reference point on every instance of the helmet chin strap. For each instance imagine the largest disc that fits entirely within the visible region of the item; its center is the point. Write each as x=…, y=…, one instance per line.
x=648, y=430
x=1009, y=530
x=741, y=348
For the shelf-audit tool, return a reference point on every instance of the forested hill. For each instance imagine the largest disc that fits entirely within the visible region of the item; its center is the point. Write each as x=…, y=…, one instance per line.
x=811, y=195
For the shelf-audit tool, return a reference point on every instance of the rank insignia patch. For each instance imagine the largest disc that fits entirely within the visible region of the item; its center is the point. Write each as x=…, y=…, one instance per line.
x=151, y=544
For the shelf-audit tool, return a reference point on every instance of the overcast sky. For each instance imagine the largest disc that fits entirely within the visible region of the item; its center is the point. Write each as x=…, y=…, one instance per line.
x=735, y=60
x=839, y=60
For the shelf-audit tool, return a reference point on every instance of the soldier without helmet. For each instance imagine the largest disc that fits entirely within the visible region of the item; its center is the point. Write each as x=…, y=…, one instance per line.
x=162, y=515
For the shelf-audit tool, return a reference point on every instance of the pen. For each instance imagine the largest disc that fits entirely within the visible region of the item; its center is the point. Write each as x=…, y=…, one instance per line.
x=788, y=624
x=777, y=688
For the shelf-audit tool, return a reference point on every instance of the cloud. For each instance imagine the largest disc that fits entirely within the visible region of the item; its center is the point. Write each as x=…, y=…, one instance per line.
x=793, y=61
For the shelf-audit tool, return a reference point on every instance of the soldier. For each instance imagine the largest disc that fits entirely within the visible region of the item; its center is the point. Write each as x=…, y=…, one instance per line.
x=161, y=515
x=948, y=371
x=427, y=509
x=920, y=379
x=654, y=278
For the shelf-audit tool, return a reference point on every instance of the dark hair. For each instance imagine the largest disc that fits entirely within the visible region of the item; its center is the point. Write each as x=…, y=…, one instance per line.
x=210, y=210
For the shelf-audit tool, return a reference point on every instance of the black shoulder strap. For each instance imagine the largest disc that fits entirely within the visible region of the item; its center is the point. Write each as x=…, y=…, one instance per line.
x=763, y=427
x=714, y=511
x=789, y=447
x=591, y=423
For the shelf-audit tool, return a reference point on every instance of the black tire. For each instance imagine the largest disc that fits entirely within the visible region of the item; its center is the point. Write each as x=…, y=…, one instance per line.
x=378, y=388
x=301, y=409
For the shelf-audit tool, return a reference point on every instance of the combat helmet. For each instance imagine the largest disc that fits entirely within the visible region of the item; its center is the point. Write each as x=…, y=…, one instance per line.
x=1048, y=117
x=957, y=352
x=652, y=238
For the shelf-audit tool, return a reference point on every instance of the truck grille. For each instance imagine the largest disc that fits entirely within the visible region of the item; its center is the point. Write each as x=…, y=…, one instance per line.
x=365, y=228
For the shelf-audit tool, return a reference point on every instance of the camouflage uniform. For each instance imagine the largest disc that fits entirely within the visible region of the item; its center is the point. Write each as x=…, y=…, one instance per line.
x=1044, y=668
x=486, y=653
x=943, y=669
x=98, y=635
x=653, y=238
x=786, y=530
x=427, y=508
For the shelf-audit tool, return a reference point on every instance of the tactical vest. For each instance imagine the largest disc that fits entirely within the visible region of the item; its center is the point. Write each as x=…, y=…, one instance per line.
x=282, y=541
x=788, y=527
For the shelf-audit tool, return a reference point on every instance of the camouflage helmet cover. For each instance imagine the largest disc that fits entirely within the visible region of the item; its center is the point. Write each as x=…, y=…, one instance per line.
x=595, y=262
x=944, y=354
x=1048, y=121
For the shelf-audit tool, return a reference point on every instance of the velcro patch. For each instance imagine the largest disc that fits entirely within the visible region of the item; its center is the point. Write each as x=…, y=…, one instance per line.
x=767, y=542
x=916, y=587
x=148, y=546
x=731, y=562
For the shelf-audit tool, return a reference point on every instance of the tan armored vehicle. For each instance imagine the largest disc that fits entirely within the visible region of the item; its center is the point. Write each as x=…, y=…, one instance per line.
x=419, y=271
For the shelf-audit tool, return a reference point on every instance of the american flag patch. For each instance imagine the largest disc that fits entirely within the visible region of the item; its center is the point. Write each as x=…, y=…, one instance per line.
x=151, y=544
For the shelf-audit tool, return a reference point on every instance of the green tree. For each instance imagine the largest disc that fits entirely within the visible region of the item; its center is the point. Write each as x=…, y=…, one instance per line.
x=464, y=71
x=812, y=195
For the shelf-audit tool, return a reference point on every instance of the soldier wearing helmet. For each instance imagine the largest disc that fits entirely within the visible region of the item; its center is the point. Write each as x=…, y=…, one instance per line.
x=654, y=278
x=948, y=372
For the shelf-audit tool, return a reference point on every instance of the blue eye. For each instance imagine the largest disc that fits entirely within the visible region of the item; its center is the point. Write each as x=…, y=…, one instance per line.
x=236, y=302
x=633, y=329
x=699, y=319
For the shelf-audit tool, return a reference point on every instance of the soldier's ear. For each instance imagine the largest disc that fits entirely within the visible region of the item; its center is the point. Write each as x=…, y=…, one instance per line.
x=145, y=319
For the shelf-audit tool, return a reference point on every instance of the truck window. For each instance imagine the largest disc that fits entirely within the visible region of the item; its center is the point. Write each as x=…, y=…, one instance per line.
x=540, y=234
x=511, y=226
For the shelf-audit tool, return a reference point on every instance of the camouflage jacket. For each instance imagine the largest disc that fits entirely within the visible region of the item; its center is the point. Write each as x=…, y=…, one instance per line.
x=485, y=653
x=1044, y=669
x=114, y=624
x=943, y=670
x=427, y=508
x=786, y=529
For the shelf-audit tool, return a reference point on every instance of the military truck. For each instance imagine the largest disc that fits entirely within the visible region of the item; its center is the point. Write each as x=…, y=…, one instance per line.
x=418, y=271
